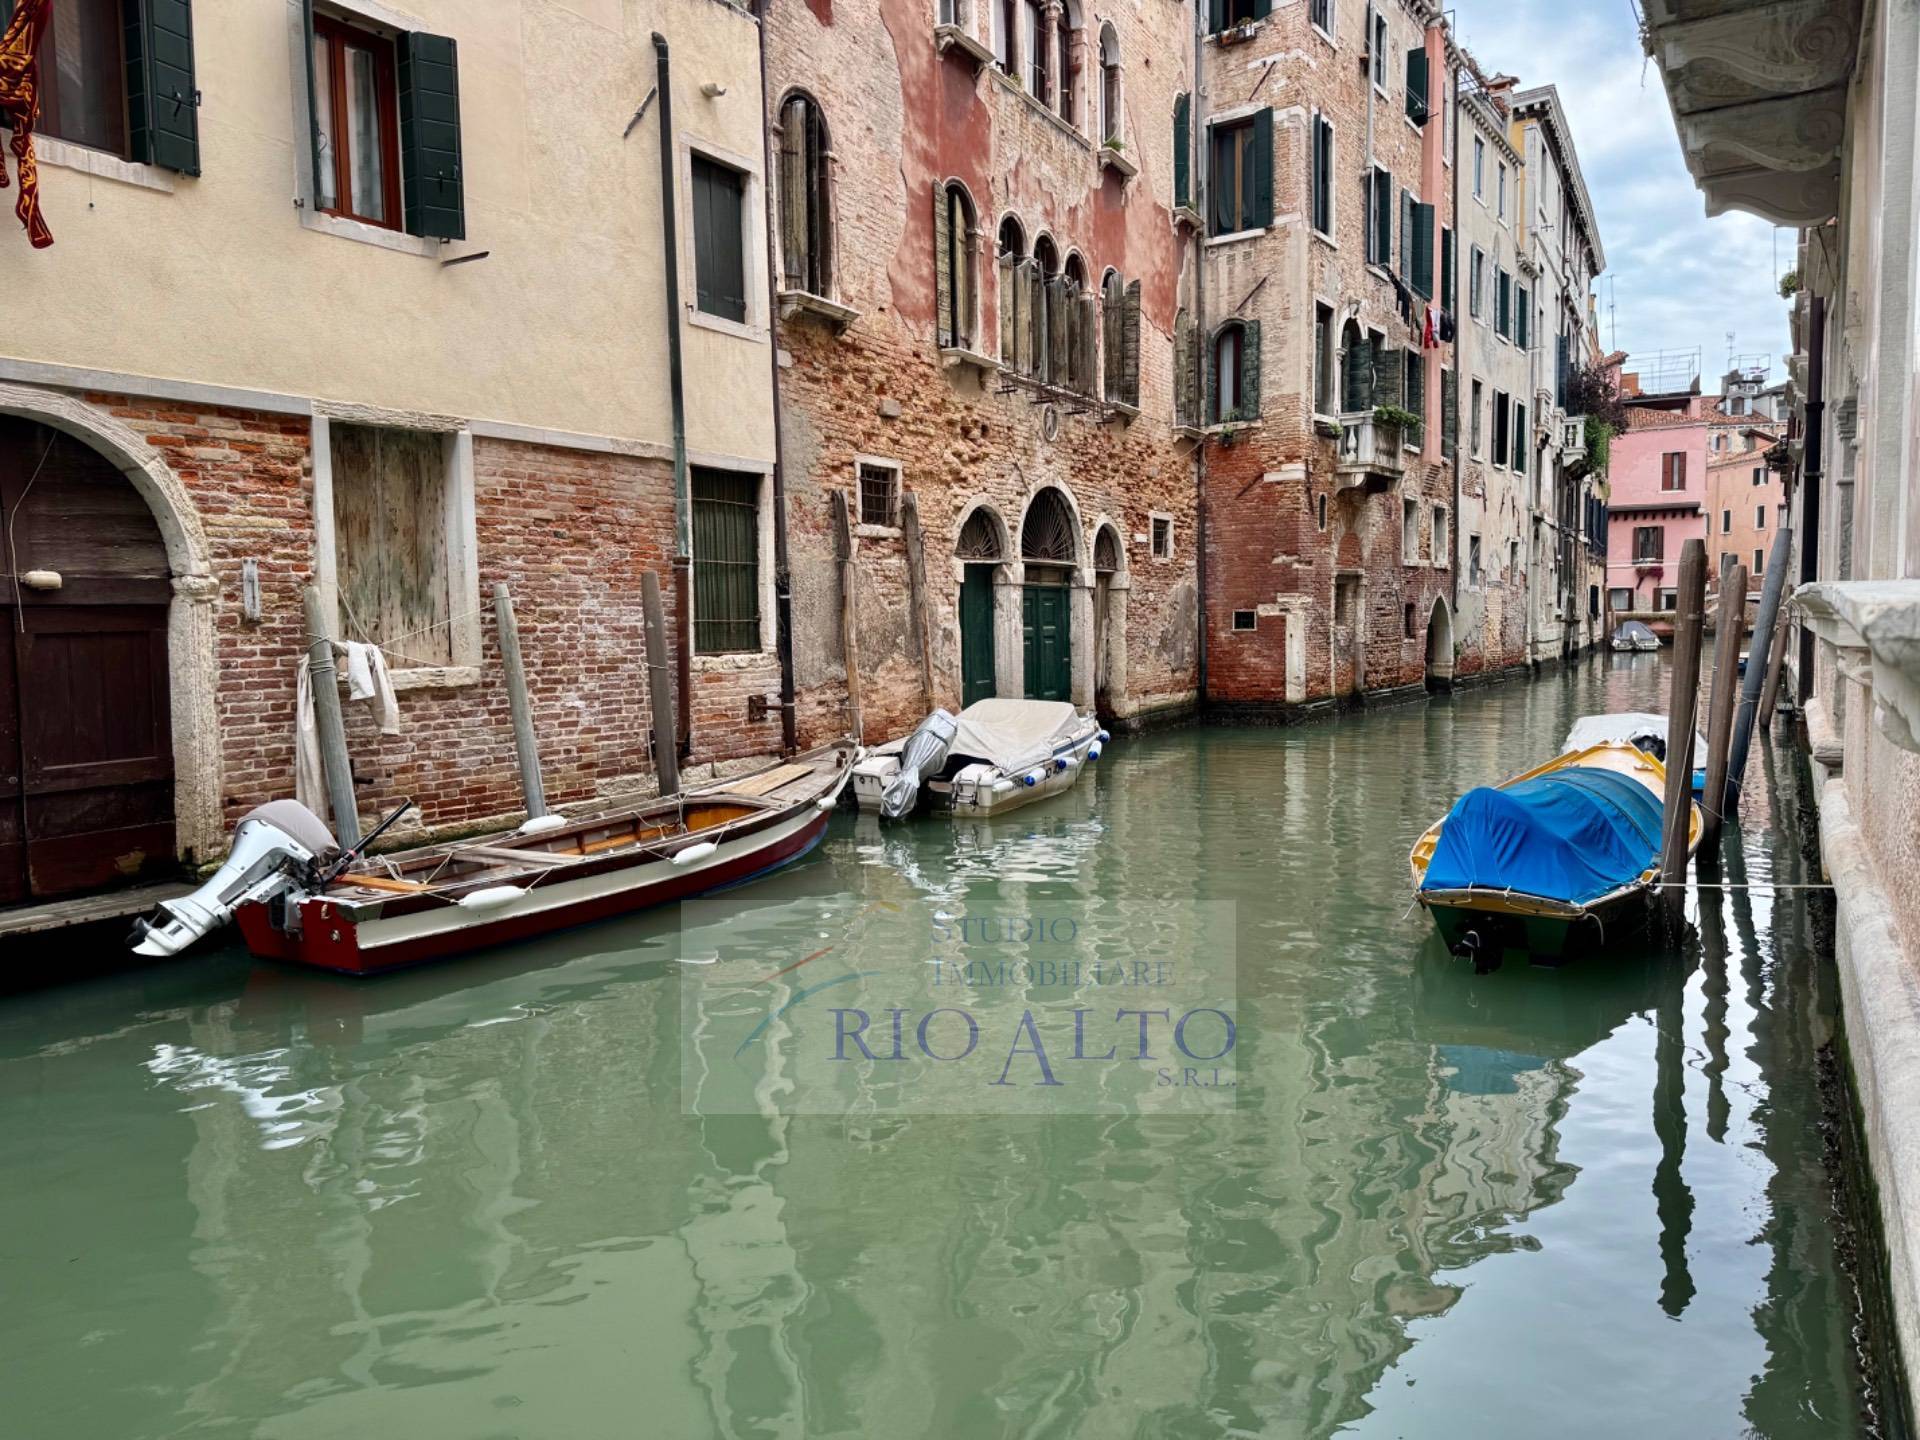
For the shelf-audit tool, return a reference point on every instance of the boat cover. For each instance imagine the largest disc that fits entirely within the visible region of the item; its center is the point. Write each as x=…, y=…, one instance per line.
x=1014, y=734
x=1573, y=835
x=1634, y=727
x=924, y=752
x=1634, y=630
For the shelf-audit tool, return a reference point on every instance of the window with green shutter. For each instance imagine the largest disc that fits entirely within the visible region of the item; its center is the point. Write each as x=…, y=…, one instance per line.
x=726, y=561
x=1379, y=200
x=1446, y=268
x=1320, y=174
x=430, y=179
x=1182, y=150
x=163, y=107
x=1417, y=85
x=1522, y=313
x=1421, y=238
x=719, y=239
x=1241, y=173
x=1519, y=439
x=1503, y=306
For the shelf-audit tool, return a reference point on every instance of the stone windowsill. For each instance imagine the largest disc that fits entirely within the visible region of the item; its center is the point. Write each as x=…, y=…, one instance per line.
x=953, y=37
x=1881, y=620
x=959, y=357
x=1119, y=410
x=1116, y=161
x=426, y=677
x=377, y=236
x=805, y=303
x=877, y=532
x=1187, y=215
x=730, y=660
x=1233, y=237
x=102, y=165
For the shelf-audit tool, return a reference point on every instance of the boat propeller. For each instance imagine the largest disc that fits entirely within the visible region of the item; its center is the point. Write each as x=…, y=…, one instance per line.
x=1471, y=947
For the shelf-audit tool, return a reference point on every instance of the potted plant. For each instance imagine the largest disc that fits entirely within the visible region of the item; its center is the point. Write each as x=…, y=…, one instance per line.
x=1327, y=429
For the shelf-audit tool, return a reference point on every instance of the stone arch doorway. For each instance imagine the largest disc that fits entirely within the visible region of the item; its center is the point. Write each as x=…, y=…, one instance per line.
x=108, y=760
x=1110, y=586
x=1049, y=558
x=1440, y=647
x=981, y=553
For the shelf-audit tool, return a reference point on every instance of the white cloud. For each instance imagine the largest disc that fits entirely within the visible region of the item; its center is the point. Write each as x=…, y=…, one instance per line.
x=1676, y=280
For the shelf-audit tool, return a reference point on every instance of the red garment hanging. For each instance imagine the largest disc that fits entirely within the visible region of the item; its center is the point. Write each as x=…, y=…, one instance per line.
x=20, y=99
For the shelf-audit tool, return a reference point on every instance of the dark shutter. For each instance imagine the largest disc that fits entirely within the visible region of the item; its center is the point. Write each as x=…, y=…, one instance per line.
x=718, y=241
x=430, y=177
x=1130, y=346
x=1406, y=236
x=163, y=107
x=1262, y=170
x=1521, y=317
x=1262, y=9
x=1320, y=175
x=1382, y=219
x=315, y=179
x=1182, y=148
x=1249, y=371
x=1390, y=376
x=1358, y=377
x=1519, y=439
x=943, y=272
x=1449, y=413
x=1417, y=85
x=1217, y=15
x=1221, y=141
x=1446, y=269
x=1422, y=247
x=726, y=561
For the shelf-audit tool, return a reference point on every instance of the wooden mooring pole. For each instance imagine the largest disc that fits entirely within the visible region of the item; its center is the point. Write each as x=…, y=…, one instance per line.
x=849, y=619
x=1726, y=684
x=524, y=744
x=666, y=748
x=1765, y=623
x=1776, y=664
x=917, y=584
x=1689, y=618
x=324, y=681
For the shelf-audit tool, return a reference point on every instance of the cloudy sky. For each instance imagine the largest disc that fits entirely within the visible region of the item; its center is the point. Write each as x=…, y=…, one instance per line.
x=1678, y=280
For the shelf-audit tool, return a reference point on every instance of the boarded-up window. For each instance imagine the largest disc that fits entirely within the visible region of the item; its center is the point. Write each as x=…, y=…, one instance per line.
x=719, y=239
x=390, y=540
x=806, y=250
x=726, y=561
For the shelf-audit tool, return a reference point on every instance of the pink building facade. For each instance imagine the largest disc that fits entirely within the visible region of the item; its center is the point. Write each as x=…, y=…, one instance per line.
x=1659, y=475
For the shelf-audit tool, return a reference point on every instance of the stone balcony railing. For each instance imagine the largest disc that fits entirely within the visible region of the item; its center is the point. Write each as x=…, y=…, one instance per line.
x=1874, y=627
x=1372, y=453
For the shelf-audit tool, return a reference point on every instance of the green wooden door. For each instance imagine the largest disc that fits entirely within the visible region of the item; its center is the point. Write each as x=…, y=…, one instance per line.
x=976, y=635
x=1049, y=656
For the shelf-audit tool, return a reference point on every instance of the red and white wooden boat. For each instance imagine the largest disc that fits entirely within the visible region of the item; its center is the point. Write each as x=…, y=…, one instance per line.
x=386, y=911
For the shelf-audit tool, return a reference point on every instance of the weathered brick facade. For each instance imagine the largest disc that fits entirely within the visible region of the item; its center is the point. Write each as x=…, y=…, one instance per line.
x=906, y=118
x=1319, y=585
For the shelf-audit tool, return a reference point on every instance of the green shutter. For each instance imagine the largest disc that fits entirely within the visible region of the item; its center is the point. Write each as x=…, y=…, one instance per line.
x=1182, y=147
x=163, y=107
x=1382, y=219
x=1389, y=376
x=1422, y=277
x=1406, y=237
x=1262, y=9
x=1262, y=170
x=1449, y=413
x=1249, y=371
x=1217, y=16
x=1446, y=268
x=313, y=108
x=430, y=177
x=1519, y=439
x=1358, y=379
x=1417, y=85
x=1222, y=219
x=1521, y=316
x=719, y=261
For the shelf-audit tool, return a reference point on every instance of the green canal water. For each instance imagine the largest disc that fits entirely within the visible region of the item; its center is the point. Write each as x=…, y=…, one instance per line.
x=619, y=1185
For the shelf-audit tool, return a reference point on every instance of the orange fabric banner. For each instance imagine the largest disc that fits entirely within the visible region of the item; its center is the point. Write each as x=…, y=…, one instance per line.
x=20, y=100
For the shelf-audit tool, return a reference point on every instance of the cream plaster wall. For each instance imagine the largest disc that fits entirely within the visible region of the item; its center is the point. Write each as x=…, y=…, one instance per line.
x=562, y=326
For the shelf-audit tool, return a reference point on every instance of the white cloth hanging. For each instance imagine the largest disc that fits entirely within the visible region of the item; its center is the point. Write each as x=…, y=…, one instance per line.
x=367, y=679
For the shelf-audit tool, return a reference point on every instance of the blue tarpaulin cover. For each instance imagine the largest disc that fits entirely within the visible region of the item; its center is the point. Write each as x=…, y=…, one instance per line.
x=1571, y=835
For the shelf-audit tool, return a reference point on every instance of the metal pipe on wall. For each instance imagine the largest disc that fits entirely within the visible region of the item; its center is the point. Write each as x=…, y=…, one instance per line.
x=676, y=384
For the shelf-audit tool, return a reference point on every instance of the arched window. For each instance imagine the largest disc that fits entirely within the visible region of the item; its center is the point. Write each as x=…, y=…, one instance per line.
x=1235, y=372
x=806, y=227
x=1065, y=61
x=1109, y=85
x=953, y=250
x=1006, y=21
x=1356, y=369
x=1013, y=241
x=1034, y=34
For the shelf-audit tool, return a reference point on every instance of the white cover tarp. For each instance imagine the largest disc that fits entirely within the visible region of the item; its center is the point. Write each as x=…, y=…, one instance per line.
x=1014, y=734
x=1597, y=729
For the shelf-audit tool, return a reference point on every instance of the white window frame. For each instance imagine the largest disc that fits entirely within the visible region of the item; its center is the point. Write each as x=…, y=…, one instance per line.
x=1480, y=169
x=753, y=250
x=1153, y=554
x=461, y=536
x=1501, y=212
x=1377, y=44
x=1333, y=174
x=1441, y=532
x=1333, y=20
x=1477, y=285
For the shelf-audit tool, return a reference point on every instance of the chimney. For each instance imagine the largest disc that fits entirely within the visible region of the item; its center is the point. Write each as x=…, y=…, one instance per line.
x=1500, y=92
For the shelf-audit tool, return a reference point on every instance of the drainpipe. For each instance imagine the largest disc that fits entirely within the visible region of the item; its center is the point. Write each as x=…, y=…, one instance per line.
x=1203, y=200
x=1811, y=478
x=676, y=384
x=782, y=569
x=1459, y=366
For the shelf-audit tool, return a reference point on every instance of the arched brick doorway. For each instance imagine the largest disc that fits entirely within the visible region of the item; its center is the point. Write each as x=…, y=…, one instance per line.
x=86, y=734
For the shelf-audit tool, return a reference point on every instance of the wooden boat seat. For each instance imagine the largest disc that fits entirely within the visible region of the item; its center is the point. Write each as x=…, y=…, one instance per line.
x=386, y=883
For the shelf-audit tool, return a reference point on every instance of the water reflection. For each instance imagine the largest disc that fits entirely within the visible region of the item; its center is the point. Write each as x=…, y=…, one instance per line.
x=476, y=1200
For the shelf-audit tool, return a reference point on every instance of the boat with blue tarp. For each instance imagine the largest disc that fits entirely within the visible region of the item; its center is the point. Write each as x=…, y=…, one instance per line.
x=1554, y=860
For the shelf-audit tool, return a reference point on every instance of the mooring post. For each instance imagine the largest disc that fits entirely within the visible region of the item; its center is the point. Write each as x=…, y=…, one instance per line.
x=1776, y=664
x=524, y=744
x=325, y=685
x=1732, y=622
x=666, y=749
x=849, y=620
x=1682, y=708
x=917, y=586
x=1764, y=624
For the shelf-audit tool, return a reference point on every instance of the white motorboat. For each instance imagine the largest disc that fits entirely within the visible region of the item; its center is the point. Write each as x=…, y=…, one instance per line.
x=1634, y=636
x=994, y=756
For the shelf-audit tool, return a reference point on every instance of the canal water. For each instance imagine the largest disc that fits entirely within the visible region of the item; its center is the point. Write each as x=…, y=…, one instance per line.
x=646, y=1179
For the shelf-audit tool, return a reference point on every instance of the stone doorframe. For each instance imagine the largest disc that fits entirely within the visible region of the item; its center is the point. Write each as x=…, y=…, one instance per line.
x=1119, y=584
x=1079, y=601
x=199, y=831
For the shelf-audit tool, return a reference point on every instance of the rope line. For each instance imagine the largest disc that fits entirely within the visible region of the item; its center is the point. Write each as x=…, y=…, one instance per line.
x=13, y=553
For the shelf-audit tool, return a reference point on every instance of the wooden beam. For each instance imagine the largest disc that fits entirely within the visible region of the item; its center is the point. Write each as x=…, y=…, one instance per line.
x=666, y=751
x=1681, y=710
x=1726, y=681
x=325, y=685
x=524, y=743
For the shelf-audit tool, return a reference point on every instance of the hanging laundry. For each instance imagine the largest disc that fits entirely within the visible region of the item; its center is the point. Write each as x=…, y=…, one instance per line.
x=309, y=775
x=1448, y=330
x=20, y=100
x=1429, y=332
x=367, y=679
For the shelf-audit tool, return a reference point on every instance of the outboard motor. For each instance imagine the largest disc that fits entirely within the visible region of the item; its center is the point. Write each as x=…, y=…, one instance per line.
x=274, y=848
x=922, y=756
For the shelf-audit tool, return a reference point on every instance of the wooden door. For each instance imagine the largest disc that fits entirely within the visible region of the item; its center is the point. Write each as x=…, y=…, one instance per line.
x=1046, y=636
x=977, y=681
x=86, y=777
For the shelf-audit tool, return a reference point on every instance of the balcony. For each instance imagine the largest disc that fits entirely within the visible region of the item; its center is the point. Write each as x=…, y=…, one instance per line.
x=954, y=39
x=1372, y=452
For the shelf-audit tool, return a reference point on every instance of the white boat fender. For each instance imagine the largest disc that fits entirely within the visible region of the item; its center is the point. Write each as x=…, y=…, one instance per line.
x=825, y=802
x=1103, y=737
x=695, y=852
x=1031, y=779
x=491, y=898
x=540, y=824
x=1093, y=752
